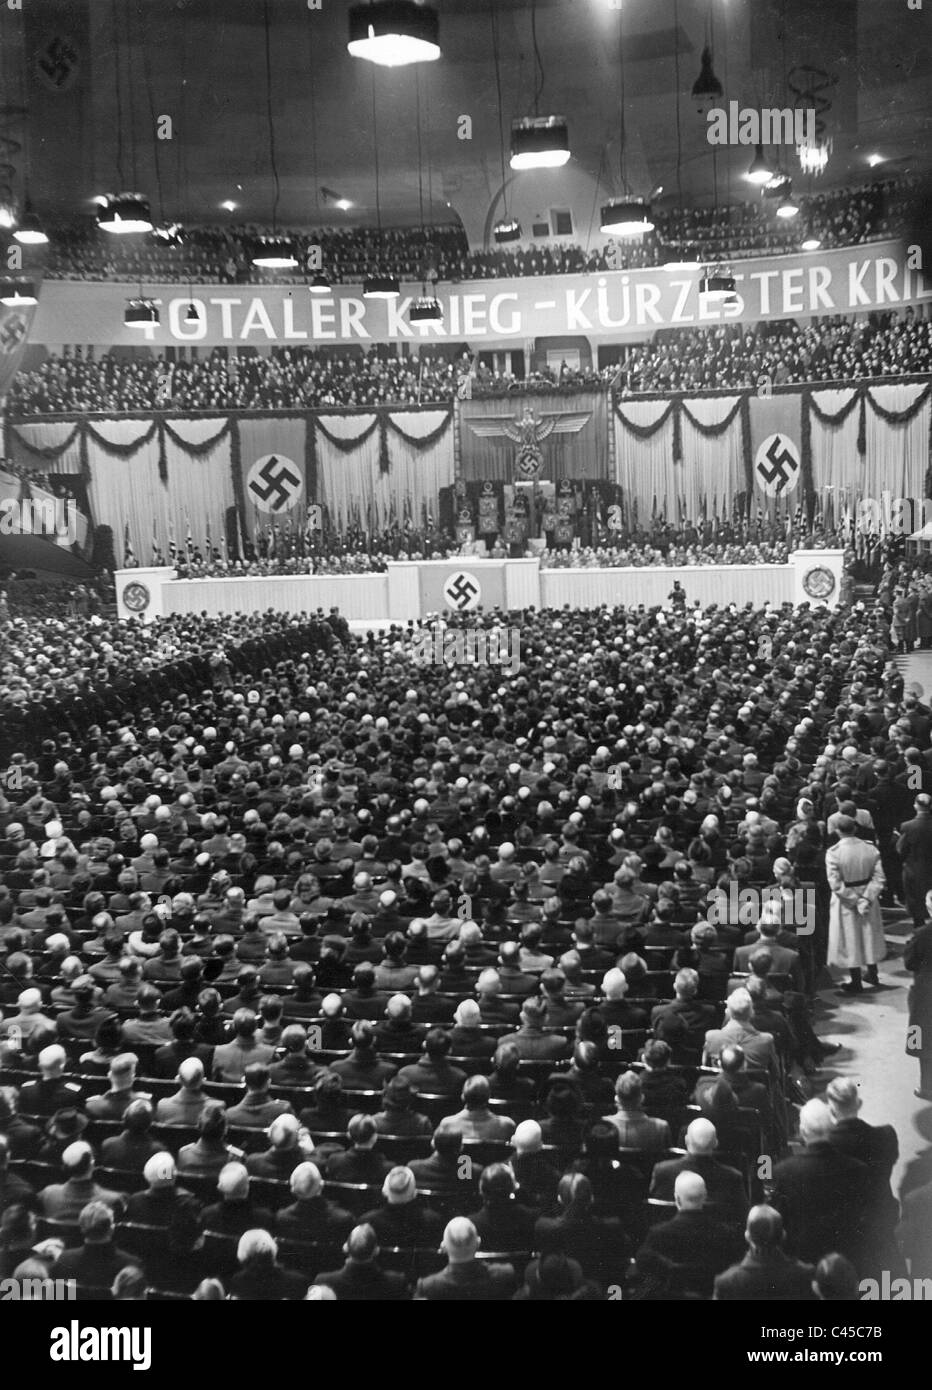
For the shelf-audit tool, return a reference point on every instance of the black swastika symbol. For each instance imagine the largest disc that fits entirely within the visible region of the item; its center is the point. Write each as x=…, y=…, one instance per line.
x=58, y=61
x=460, y=590
x=278, y=484
x=783, y=465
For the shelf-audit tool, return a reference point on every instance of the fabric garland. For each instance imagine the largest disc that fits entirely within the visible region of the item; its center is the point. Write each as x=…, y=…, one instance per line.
x=50, y=454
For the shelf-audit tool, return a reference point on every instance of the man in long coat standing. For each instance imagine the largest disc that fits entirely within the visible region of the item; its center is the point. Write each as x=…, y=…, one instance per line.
x=914, y=847
x=855, y=927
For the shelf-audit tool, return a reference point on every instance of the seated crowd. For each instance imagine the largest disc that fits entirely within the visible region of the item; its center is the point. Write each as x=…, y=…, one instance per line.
x=221, y=255
x=327, y=974
x=833, y=349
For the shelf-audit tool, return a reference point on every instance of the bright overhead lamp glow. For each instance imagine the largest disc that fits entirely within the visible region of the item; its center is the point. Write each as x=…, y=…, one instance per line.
x=30, y=231
x=673, y=265
x=717, y=287
x=192, y=314
x=811, y=242
x=626, y=217
x=759, y=170
x=426, y=309
x=229, y=205
x=319, y=284
x=7, y=220
x=274, y=253
x=124, y=214
x=18, y=294
x=394, y=33
x=507, y=231
x=875, y=159
x=381, y=287
x=344, y=204
x=539, y=142
x=141, y=313
x=788, y=206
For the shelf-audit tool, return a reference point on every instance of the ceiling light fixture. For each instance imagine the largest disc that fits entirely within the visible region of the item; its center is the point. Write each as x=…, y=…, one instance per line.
x=875, y=159
x=813, y=156
x=759, y=170
x=788, y=206
x=141, y=313
x=811, y=242
x=394, y=33
x=124, y=214
x=507, y=231
x=274, y=253
x=192, y=314
x=319, y=284
x=30, y=231
x=18, y=294
x=717, y=286
x=707, y=89
x=426, y=309
x=169, y=234
x=228, y=205
x=381, y=287
x=539, y=142
x=626, y=217
x=680, y=263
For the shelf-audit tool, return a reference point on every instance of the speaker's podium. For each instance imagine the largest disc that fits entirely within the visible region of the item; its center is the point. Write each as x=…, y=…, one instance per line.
x=461, y=584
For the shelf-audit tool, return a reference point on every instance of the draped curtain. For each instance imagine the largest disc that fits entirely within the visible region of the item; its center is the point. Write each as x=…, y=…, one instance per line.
x=713, y=454
x=897, y=452
x=379, y=468
x=644, y=467
x=839, y=474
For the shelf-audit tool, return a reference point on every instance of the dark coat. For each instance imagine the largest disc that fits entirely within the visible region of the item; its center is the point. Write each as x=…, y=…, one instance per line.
x=826, y=1200
x=771, y=1278
x=918, y=958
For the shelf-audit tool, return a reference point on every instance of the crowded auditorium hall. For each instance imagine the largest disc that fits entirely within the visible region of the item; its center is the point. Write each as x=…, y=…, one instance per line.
x=465, y=663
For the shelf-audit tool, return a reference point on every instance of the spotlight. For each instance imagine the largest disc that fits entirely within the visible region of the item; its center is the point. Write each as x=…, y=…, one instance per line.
x=381, y=287
x=678, y=263
x=759, y=170
x=507, y=231
x=875, y=159
x=811, y=242
x=394, y=33
x=18, y=294
x=169, y=234
x=626, y=217
x=191, y=314
x=706, y=89
x=426, y=310
x=539, y=142
x=229, y=205
x=141, y=313
x=274, y=253
x=30, y=231
x=319, y=284
x=717, y=286
x=124, y=214
x=336, y=199
x=788, y=205
x=777, y=184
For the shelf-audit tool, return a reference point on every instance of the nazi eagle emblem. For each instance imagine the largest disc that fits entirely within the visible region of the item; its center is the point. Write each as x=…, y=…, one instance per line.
x=528, y=433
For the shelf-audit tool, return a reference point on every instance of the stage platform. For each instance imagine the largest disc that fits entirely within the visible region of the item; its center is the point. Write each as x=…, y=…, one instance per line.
x=466, y=584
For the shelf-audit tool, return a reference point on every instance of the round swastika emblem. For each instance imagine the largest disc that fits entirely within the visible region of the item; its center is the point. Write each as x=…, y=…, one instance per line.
x=776, y=466
x=462, y=592
x=819, y=582
x=136, y=597
x=274, y=483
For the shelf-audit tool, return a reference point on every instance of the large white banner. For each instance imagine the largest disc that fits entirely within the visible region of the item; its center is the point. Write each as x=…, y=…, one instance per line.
x=616, y=305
